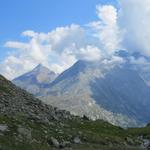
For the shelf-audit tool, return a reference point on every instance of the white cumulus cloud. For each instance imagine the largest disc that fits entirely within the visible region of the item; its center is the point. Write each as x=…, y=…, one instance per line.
x=106, y=29
x=134, y=20
x=108, y=14
x=90, y=53
x=60, y=48
x=57, y=49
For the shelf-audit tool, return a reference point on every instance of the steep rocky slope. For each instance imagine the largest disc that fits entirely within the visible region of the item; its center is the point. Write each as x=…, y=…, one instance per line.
x=15, y=101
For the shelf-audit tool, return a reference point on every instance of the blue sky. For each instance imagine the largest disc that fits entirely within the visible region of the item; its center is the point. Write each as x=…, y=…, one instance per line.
x=42, y=16
x=57, y=33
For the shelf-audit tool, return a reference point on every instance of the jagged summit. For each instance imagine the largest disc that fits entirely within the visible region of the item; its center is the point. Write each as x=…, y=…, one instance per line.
x=34, y=80
x=41, y=67
x=14, y=101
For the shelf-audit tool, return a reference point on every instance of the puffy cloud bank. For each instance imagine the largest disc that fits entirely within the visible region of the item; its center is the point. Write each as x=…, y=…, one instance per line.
x=106, y=28
x=134, y=20
x=60, y=48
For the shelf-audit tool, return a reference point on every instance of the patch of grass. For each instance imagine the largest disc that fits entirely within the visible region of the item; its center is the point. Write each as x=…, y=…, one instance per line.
x=95, y=135
x=145, y=132
x=101, y=147
x=5, y=89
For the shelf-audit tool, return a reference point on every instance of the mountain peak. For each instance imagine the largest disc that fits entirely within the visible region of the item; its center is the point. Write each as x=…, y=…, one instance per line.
x=40, y=65
x=41, y=68
x=34, y=80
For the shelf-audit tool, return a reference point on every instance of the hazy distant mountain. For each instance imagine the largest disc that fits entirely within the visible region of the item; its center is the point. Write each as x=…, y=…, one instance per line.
x=139, y=63
x=35, y=80
x=118, y=93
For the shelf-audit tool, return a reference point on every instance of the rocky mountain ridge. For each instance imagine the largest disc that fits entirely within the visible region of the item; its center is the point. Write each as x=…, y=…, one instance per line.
x=15, y=101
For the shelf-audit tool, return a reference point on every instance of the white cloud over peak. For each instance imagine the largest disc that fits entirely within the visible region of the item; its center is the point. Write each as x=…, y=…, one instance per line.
x=90, y=53
x=53, y=49
x=134, y=20
x=106, y=29
x=138, y=61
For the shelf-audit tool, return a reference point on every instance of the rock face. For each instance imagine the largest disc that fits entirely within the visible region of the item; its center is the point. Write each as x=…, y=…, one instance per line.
x=25, y=132
x=77, y=140
x=118, y=94
x=35, y=80
x=55, y=142
x=123, y=91
x=3, y=127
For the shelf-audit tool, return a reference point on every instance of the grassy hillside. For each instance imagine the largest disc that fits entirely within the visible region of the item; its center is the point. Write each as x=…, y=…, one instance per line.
x=97, y=135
